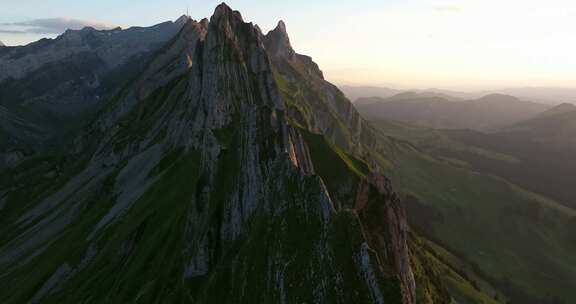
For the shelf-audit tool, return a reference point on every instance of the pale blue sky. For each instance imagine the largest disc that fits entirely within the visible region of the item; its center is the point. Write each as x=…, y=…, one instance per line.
x=414, y=43
x=124, y=13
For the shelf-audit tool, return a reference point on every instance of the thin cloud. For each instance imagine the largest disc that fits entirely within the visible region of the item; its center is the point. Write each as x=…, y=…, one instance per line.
x=12, y=32
x=51, y=26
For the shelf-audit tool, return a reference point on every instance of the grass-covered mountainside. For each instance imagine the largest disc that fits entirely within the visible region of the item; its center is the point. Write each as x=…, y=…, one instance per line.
x=554, y=128
x=224, y=170
x=498, y=201
x=436, y=110
x=536, y=154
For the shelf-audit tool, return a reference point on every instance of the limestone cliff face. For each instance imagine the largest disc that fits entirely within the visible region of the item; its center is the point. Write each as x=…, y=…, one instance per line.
x=326, y=109
x=196, y=184
x=385, y=224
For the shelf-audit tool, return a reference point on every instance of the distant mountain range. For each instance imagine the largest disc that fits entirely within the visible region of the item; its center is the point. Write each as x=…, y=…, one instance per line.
x=441, y=111
x=355, y=92
x=544, y=95
x=50, y=87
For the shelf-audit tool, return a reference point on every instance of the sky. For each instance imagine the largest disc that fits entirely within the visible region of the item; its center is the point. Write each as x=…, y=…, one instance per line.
x=453, y=44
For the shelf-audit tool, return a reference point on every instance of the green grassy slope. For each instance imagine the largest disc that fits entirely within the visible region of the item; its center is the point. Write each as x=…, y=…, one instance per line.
x=518, y=239
x=463, y=284
x=340, y=170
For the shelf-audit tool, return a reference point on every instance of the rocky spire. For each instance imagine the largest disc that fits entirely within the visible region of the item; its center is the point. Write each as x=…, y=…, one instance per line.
x=277, y=42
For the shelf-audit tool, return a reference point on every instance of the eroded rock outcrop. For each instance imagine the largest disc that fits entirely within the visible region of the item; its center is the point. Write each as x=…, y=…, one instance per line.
x=386, y=227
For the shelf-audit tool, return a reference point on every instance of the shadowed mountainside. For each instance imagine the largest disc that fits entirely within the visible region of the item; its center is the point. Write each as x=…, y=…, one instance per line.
x=50, y=87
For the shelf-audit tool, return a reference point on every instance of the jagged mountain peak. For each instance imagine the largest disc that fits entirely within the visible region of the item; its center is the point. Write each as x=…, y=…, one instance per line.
x=281, y=26
x=80, y=32
x=192, y=25
x=278, y=43
x=224, y=11
x=175, y=60
x=205, y=48
x=226, y=22
x=182, y=19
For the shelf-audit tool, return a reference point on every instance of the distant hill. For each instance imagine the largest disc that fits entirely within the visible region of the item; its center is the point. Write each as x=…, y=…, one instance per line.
x=555, y=128
x=559, y=109
x=406, y=96
x=542, y=94
x=457, y=94
x=2, y=44
x=537, y=153
x=355, y=92
x=411, y=95
x=542, y=148
x=436, y=110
